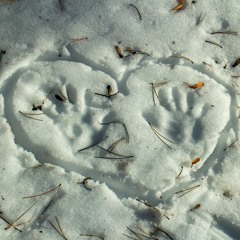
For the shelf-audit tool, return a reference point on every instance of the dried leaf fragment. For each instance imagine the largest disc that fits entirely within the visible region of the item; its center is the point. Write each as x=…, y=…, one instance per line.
x=196, y=86
x=179, y=7
x=196, y=160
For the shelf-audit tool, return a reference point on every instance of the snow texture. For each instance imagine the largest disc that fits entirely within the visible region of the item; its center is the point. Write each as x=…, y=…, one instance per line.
x=122, y=117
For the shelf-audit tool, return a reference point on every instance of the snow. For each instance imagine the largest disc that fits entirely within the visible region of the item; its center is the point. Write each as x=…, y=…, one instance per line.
x=104, y=166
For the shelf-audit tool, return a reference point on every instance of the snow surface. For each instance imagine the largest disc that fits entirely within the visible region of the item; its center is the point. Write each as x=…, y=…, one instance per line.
x=48, y=72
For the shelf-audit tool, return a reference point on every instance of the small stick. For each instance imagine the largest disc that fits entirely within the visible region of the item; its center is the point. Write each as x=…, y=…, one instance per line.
x=28, y=115
x=226, y=32
x=216, y=44
x=108, y=96
x=110, y=149
x=164, y=232
x=91, y=235
x=62, y=8
x=231, y=145
x=200, y=19
x=160, y=136
x=177, y=177
x=187, y=190
x=40, y=194
x=93, y=145
x=180, y=56
x=139, y=14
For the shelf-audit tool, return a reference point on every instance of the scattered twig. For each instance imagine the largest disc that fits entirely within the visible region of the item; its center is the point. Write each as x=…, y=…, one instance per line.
x=28, y=115
x=139, y=14
x=177, y=177
x=187, y=190
x=161, y=137
x=93, y=145
x=225, y=32
x=60, y=231
x=216, y=44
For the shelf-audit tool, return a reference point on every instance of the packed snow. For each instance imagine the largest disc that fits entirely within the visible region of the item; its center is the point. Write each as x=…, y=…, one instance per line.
x=119, y=120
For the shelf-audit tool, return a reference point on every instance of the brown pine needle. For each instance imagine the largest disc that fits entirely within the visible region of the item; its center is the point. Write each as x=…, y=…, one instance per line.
x=231, y=145
x=155, y=93
x=28, y=115
x=78, y=39
x=130, y=237
x=164, y=232
x=135, y=233
x=200, y=19
x=116, y=154
x=40, y=194
x=69, y=97
x=226, y=32
x=5, y=220
x=139, y=14
x=187, y=190
x=185, y=58
x=50, y=202
x=148, y=205
x=91, y=235
x=110, y=149
x=12, y=224
x=177, y=177
x=216, y=44
x=160, y=136
x=60, y=231
x=93, y=145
